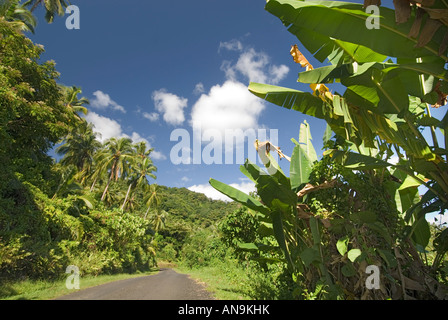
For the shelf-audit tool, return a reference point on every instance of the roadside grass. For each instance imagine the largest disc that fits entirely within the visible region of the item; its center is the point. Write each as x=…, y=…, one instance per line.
x=224, y=281
x=51, y=289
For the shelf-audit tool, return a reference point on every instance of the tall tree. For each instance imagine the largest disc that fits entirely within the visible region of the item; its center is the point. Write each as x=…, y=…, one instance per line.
x=18, y=16
x=158, y=219
x=72, y=100
x=152, y=198
x=52, y=7
x=33, y=117
x=114, y=159
x=142, y=150
x=79, y=148
x=142, y=168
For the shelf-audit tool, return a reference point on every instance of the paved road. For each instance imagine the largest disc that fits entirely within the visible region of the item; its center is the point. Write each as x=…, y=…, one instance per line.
x=165, y=285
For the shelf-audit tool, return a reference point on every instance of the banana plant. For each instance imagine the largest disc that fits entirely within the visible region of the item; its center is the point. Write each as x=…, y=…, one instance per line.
x=391, y=80
x=282, y=214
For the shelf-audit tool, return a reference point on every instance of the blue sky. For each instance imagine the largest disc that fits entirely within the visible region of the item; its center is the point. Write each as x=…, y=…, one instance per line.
x=152, y=67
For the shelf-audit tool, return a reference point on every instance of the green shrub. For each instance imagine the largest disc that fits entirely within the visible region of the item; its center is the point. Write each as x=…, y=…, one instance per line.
x=42, y=237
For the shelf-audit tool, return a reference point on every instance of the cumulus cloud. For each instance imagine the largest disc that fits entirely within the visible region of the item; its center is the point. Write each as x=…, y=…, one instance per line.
x=170, y=105
x=230, y=105
x=106, y=127
x=153, y=116
x=214, y=194
x=256, y=67
x=157, y=155
x=227, y=106
x=278, y=73
x=103, y=101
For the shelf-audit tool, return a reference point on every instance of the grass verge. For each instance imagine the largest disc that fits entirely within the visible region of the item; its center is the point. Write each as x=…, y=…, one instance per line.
x=47, y=290
x=225, y=282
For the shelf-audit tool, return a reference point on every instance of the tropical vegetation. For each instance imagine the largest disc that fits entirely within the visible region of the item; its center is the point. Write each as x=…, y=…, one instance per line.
x=312, y=232
x=59, y=213
x=392, y=76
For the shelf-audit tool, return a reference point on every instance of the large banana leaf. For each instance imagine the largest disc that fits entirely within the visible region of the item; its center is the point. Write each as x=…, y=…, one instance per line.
x=337, y=51
x=328, y=74
x=270, y=186
x=359, y=161
x=300, y=168
x=347, y=22
x=303, y=102
x=239, y=196
x=357, y=122
x=288, y=98
x=305, y=140
x=383, y=86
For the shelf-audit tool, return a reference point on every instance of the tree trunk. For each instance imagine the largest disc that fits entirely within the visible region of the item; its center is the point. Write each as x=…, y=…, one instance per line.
x=127, y=195
x=108, y=181
x=146, y=213
x=105, y=189
x=93, y=184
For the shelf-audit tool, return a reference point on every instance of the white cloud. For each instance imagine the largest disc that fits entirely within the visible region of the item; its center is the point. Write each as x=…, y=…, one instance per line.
x=227, y=106
x=106, y=127
x=230, y=105
x=214, y=194
x=278, y=73
x=157, y=155
x=109, y=128
x=431, y=218
x=255, y=66
x=103, y=101
x=136, y=138
x=170, y=105
x=232, y=45
x=199, y=88
x=153, y=116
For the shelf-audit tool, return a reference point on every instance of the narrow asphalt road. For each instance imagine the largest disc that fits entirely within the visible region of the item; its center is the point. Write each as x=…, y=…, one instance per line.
x=165, y=285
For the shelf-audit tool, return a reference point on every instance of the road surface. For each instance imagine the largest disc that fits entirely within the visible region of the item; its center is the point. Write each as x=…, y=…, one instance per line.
x=165, y=285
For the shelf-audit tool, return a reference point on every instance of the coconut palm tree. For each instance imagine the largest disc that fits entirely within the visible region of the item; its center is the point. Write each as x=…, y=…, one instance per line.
x=142, y=168
x=152, y=198
x=158, y=219
x=114, y=159
x=72, y=101
x=17, y=15
x=141, y=149
x=79, y=148
x=52, y=7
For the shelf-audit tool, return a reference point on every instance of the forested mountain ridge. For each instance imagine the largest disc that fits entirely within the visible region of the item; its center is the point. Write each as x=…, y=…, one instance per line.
x=194, y=207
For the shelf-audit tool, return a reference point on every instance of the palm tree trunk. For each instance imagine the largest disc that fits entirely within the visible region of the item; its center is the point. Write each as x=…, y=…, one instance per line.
x=108, y=181
x=105, y=189
x=93, y=184
x=127, y=195
x=146, y=213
